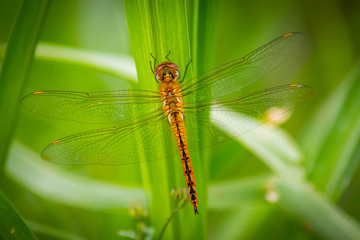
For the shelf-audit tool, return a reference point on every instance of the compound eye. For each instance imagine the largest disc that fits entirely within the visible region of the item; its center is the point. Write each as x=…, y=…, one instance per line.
x=157, y=78
x=177, y=74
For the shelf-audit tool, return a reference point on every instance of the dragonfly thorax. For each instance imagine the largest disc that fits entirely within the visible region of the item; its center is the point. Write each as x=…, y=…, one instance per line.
x=171, y=98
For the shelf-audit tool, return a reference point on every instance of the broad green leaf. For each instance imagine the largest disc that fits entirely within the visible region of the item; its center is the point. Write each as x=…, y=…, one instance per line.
x=160, y=27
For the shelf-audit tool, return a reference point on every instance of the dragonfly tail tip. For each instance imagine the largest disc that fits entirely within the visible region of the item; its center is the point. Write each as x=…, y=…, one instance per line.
x=196, y=211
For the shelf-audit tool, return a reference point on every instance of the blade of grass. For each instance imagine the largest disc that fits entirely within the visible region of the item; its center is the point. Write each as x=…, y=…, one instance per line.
x=17, y=59
x=241, y=223
x=52, y=232
x=11, y=224
x=273, y=146
x=292, y=192
x=314, y=209
x=237, y=193
x=337, y=141
x=202, y=15
x=2, y=50
x=203, y=20
x=45, y=180
x=158, y=27
x=120, y=66
x=300, y=200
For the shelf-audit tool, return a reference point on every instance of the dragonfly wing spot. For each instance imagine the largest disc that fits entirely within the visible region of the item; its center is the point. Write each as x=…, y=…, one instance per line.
x=45, y=157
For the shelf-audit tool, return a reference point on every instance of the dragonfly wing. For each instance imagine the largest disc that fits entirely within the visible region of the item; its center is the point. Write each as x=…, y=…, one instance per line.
x=236, y=75
x=129, y=143
x=242, y=114
x=96, y=107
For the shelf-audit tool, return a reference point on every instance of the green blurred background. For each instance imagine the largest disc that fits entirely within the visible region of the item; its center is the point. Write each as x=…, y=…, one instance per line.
x=249, y=196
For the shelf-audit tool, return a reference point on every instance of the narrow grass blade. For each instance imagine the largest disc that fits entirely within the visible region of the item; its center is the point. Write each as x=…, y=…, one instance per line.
x=18, y=56
x=234, y=194
x=314, y=209
x=120, y=66
x=45, y=180
x=12, y=225
x=294, y=194
x=52, y=232
x=331, y=145
x=242, y=223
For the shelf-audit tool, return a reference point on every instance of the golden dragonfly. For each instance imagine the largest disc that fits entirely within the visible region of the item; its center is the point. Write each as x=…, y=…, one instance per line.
x=172, y=116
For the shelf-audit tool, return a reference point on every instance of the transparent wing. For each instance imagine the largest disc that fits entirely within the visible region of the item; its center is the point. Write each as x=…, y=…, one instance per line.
x=236, y=75
x=114, y=145
x=115, y=106
x=120, y=145
x=96, y=107
x=241, y=114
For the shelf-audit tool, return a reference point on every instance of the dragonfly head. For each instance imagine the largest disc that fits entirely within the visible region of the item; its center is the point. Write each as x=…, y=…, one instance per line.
x=167, y=72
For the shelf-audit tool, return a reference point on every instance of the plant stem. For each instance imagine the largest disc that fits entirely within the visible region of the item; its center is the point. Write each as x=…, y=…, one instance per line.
x=170, y=217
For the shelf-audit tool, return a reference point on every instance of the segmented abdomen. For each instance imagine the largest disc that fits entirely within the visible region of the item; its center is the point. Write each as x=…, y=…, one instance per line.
x=178, y=127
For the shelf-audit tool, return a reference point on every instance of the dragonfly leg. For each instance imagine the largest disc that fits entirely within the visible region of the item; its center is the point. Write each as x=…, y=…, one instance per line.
x=186, y=68
x=167, y=56
x=153, y=69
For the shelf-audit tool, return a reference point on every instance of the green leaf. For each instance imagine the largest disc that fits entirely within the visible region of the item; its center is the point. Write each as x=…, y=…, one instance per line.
x=242, y=222
x=120, y=66
x=52, y=232
x=314, y=209
x=332, y=144
x=158, y=27
x=45, y=180
x=232, y=194
x=2, y=50
x=273, y=146
x=12, y=225
x=292, y=192
x=17, y=59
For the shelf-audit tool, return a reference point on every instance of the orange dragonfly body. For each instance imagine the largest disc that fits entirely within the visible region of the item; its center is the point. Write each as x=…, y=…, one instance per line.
x=171, y=112
x=170, y=91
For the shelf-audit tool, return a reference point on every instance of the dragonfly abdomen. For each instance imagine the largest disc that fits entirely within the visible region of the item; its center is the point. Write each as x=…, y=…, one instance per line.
x=171, y=98
x=178, y=127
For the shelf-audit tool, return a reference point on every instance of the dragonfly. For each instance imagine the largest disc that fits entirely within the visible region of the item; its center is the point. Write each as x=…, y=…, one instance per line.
x=172, y=115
